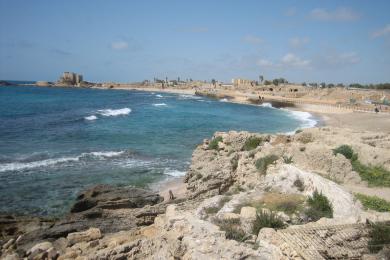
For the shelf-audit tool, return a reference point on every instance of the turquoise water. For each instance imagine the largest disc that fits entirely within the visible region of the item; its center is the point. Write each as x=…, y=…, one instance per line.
x=56, y=141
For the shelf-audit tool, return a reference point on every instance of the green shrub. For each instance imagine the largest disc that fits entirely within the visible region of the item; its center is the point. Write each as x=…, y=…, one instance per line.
x=214, y=143
x=264, y=219
x=319, y=206
x=263, y=163
x=379, y=236
x=374, y=175
x=252, y=143
x=287, y=159
x=298, y=131
x=232, y=229
x=374, y=202
x=345, y=150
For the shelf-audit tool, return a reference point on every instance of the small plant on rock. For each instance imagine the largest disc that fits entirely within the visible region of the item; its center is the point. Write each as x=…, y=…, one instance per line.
x=252, y=143
x=345, y=150
x=263, y=163
x=232, y=229
x=267, y=219
x=287, y=159
x=374, y=202
x=214, y=143
x=319, y=206
x=379, y=236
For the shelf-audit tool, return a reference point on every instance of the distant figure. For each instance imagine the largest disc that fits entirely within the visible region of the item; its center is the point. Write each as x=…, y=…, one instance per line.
x=171, y=197
x=376, y=110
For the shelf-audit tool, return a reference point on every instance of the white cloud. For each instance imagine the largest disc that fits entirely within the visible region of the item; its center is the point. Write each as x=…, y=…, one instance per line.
x=382, y=32
x=339, y=14
x=119, y=45
x=298, y=42
x=288, y=61
x=253, y=39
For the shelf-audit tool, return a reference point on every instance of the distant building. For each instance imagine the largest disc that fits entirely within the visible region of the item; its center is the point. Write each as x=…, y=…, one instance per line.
x=70, y=78
x=240, y=82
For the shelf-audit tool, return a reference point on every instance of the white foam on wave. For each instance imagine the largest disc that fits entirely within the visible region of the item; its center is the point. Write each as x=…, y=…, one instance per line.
x=188, y=96
x=17, y=166
x=269, y=105
x=224, y=100
x=115, y=112
x=159, y=96
x=90, y=118
x=105, y=154
x=160, y=105
x=306, y=119
x=174, y=173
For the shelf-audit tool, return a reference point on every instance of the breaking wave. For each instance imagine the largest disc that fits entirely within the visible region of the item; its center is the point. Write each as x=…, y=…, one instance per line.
x=160, y=105
x=114, y=112
x=89, y=118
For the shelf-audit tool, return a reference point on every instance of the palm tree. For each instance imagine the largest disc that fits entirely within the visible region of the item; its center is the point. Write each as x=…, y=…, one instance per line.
x=261, y=78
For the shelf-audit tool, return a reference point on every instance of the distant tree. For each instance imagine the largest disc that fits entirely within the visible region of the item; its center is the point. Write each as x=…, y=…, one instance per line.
x=275, y=82
x=267, y=82
x=340, y=85
x=323, y=85
x=304, y=84
x=190, y=79
x=261, y=78
x=166, y=79
x=213, y=81
x=330, y=85
x=178, y=79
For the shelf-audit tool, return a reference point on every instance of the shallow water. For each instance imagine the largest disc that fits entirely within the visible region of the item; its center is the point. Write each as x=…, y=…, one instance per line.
x=54, y=142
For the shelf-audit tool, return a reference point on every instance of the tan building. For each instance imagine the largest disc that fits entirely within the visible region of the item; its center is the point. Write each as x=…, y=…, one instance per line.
x=240, y=82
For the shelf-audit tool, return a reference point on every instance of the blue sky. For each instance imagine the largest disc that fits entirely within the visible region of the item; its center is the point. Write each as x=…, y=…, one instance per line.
x=331, y=41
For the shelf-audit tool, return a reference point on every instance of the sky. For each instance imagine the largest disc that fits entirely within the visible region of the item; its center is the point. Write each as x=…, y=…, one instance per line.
x=126, y=41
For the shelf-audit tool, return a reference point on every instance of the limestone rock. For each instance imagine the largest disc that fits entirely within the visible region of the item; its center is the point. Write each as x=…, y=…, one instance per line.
x=88, y=235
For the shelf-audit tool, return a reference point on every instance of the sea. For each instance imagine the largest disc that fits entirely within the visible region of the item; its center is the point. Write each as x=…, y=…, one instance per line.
x=55, y=142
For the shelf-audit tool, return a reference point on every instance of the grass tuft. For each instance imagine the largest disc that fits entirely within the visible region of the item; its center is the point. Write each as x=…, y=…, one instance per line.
x=214, y=143
x=319, y=206
x=252, y=143
x=373, y=202
x=263, y=163
x=374, y=175
x=265, y=219
x=379, y=236
x=345, y=150
x=232, y=229
x=299, y=184
x=288, y=159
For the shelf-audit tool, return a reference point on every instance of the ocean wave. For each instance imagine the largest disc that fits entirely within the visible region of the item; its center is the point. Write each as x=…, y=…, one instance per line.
x=160, y=105
x=89, y=118
x=269, y=105
x=188, y=96
x=159, y=96
x=114, y=112
x=18, y=166
x=305, y=118
x=174, y=173
x=224, y=100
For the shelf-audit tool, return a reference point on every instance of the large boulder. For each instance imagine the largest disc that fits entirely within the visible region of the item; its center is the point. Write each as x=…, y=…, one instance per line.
x=110, y=197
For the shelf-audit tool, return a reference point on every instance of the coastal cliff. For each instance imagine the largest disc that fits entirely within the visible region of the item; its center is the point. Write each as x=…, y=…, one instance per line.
x=248, y=196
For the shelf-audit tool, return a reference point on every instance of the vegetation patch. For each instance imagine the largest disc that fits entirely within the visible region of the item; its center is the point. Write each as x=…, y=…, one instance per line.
x=214, y=143
x=263, y=163
x=345, y=150
x=374, y=175
x=232, y=229
x=265, y=219
x=234, y=162
x=299, y=131
x=319, y=206
x=252, y=143
x=379, y=236
x=287, y=159
x=373, y=202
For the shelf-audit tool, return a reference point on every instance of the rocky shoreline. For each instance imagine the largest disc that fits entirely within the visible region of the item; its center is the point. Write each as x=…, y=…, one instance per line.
x=247, y=196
